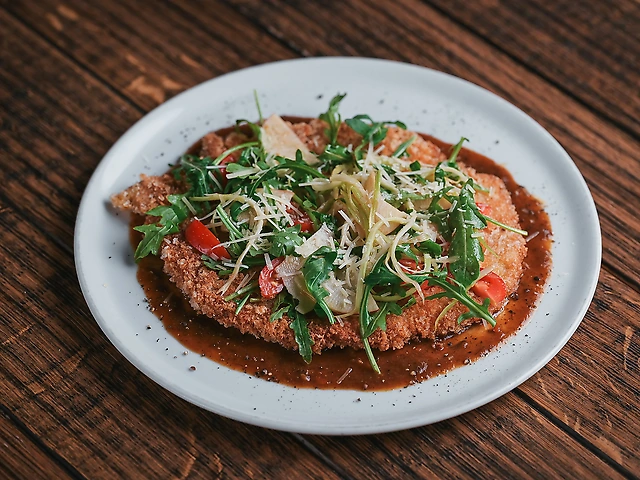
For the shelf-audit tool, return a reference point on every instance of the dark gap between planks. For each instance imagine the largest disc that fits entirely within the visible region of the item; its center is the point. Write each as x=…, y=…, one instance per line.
x=573, y=434
x=37, y=441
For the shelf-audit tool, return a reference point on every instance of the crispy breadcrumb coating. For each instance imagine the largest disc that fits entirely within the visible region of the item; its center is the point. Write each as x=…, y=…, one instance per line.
x=148, y=193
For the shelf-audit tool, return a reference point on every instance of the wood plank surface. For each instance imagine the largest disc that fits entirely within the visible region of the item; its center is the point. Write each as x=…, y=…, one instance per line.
x=76, y=75
x=587, y=49
x=593, y=384
x=491, y=439
x=150, y=61
x=22, y=456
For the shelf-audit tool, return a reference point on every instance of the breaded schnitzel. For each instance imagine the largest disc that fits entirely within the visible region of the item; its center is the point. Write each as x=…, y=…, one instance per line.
x=375, y=221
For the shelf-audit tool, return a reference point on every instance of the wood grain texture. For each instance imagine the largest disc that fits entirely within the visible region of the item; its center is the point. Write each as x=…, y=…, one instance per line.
x=588, y=49
x=22, y=457
x=593, y=384
x=76, y=75
x=501, y=438
x=152, y=60
x=58, y=123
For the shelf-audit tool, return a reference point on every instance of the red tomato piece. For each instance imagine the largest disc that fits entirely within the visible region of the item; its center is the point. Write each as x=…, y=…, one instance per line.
x=203, y=240
x=301, y=218
x=409, y=264
x=491, y=286
x=270, y=283
x=223, y=171
x=485, y=208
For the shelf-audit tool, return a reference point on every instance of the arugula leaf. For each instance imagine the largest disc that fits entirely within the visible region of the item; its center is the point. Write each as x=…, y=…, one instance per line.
x=405, y=249
x=252, y=155
x=153, y=235
x=241, y=303
x=439, y=216
x=234, y=233
x=439, y=175
x=299, y=166
x=195, y=172
x=244, y=171
x=319, y=218
x=244, y=290
x=235, y=209
x=431, y=248
x=174, y=213
x=333, y=118
x=170, y=218
x=284, y=304
x=379, y=275
x=372, y=132
x=285, y=242
x=215, y=265
x=464, y=221
x=455, y=290
x=301, y=333
x=278, y=314
x=506, y=227
x=361, y=127
x=335, y=155
x=315, y=271
x=451, y=162
x=235, y=148
x=281, y=305
x=299, y=171
x=382, y=276
x=401, y=151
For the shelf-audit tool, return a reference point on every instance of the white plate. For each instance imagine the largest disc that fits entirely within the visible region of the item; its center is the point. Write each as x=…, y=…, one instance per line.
x=427, y=101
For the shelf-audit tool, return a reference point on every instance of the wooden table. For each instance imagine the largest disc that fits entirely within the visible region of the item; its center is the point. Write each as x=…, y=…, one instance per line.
x=76, y=75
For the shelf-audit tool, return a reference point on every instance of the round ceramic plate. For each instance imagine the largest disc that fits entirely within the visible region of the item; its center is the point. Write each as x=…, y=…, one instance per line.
x=427, y=101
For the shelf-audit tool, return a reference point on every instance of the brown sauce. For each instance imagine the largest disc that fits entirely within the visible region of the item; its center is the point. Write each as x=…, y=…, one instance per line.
x=348, y=368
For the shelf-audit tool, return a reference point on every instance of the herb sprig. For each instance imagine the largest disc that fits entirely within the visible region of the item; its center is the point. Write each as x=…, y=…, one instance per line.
x=171, y=217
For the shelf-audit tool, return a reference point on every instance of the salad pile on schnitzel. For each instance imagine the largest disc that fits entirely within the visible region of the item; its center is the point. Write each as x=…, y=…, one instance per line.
x=325, y=233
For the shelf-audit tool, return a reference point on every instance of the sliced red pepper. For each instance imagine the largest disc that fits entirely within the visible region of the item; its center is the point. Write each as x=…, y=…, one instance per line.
x=485, y=208
x=223, y=171
x=270, y=283
x=491, y=286
x=301, y=218
x=410, y=265
x=203, y=240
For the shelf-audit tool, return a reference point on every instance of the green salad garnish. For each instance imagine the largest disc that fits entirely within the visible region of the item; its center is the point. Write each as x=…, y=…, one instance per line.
x=345, y=232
